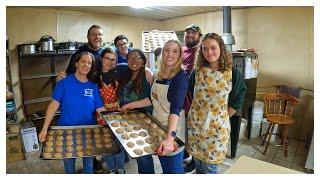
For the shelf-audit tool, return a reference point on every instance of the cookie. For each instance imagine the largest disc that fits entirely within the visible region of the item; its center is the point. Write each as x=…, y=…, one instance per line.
x=120, y=130
x=141, y=115
x=69, y=131
x=149, y=140
x=124, y=123
x=98, y=141
x=143, y=134
x=78, y=141
x=137, y=127
x=80, y=153
x=59, y=132
x=96, y=130
x=87, y=130
x=97, y=136
x=47, y=155
x=140, y=142
x=69, y=148
x=59, y=143
x=50, y=138
x=147, y=120
x=51, y=132
x=105, y=130
x=69, y=143
x=88, y=141
x=134, y=135
x=69, y=154
x=138, y=151
x=78, y=131
x=60, y=138
x=130, y=144
x=59, y=149
x=125, y=136
x=118, y=116
x=115, y=124
x=89, y=146
x=98, y=145
x=148, y=149
x=129, y=128
x=79, y=147
x=133, y=116
x=88, y=152
x=78, y=136
x=48, y=149
x=88, y=136
x=108, y=145
x=125, y=116
x=58, y=155
x=110, y=117
x=69, y=137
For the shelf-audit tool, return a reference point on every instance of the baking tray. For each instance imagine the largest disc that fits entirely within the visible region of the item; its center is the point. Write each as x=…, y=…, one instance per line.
x=78, y=141
x=151, y=40
x=128, y=122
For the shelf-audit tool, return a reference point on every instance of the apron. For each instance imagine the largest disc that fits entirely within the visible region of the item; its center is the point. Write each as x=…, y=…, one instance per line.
x=109, y=97
x=208, y=119
x=161, y=108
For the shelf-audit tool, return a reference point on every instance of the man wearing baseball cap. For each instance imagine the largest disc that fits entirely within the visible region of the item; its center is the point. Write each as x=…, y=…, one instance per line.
x=192, y=35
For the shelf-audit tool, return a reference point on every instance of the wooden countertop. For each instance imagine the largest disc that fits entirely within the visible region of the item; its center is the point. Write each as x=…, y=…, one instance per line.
x=247, y=165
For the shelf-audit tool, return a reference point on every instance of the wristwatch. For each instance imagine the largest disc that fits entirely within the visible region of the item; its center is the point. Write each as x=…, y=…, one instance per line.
x=173, y=133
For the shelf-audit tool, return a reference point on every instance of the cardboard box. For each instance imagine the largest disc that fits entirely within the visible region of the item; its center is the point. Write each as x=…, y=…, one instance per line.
x=14, y=148
x=30, y=139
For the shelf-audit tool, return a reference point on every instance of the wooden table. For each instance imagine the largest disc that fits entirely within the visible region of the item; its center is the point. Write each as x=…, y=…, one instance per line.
x=247, y=165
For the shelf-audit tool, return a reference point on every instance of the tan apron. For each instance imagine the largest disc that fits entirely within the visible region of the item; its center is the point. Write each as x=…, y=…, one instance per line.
x=208, y=118
x=161, y=108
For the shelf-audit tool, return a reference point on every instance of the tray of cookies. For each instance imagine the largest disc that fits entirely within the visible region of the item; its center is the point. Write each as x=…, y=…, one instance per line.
x=151, y=40
x=78, y=141
x=139, y=133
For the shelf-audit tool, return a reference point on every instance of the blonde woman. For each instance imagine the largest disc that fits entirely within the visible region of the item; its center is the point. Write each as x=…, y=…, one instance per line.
x=167, y=96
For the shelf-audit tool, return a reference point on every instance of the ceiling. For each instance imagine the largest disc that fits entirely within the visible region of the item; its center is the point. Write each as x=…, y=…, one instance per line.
x=153, y=12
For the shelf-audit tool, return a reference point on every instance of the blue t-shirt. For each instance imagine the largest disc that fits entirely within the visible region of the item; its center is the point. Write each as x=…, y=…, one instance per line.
x=178, y=87
x=78, y=101
x=121, y=58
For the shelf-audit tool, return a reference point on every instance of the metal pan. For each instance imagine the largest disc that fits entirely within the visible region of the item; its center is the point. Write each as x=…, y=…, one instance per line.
x=78, y=141
x=152, y=129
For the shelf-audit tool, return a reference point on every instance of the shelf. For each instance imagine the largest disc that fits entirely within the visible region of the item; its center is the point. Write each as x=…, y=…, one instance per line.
x=38, y=100
x=47, y=54
x=35, y=76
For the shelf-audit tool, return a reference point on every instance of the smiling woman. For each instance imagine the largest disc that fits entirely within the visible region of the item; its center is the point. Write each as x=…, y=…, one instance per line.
x=78, y=98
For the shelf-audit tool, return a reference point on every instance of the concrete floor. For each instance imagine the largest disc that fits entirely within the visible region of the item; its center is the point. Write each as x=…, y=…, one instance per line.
x=297, y=155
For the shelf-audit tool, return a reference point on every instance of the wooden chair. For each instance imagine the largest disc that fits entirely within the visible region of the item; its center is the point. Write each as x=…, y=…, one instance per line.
x=278, y=110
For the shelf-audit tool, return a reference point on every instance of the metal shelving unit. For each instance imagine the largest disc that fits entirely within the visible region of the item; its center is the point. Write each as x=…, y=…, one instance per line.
x=38, y=73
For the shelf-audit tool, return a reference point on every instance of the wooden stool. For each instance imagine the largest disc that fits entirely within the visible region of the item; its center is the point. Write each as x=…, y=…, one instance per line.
x=278, y=109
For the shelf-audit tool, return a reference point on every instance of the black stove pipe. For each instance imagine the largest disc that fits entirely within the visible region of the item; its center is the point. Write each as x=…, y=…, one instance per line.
x=226, y=19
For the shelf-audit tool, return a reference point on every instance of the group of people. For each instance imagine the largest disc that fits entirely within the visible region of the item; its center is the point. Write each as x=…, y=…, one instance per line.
x=193, y=92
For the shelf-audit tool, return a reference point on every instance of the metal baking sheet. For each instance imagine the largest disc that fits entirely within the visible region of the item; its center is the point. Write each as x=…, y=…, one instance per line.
x=151, y=40
x=78, y=141
x=131, y=119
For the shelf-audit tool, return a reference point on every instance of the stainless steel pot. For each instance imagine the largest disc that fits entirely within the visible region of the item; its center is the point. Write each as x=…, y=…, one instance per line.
x=46, y=43
x=28, y=48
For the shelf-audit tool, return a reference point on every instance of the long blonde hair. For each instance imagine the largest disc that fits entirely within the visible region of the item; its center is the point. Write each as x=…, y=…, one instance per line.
x=177, y=67
x=225, y=59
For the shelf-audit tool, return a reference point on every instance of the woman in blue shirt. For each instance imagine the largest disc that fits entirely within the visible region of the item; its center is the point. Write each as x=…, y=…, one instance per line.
x=78, y=98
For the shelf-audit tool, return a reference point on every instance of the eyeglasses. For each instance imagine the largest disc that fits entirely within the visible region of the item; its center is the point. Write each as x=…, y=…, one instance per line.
x=121, y=45
x=137, y=58
x=109, y=59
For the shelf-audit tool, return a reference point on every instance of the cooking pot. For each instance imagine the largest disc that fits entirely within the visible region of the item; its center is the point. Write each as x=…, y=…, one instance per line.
x=67, y=45
x=46, y=43
x=28, y=48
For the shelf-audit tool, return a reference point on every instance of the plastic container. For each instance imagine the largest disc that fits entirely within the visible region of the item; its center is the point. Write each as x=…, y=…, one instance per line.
x=243, y=127
x=264, y=128
x=257, y=111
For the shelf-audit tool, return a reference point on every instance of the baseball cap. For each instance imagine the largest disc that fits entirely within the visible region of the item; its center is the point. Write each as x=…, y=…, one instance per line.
x=193, y=27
